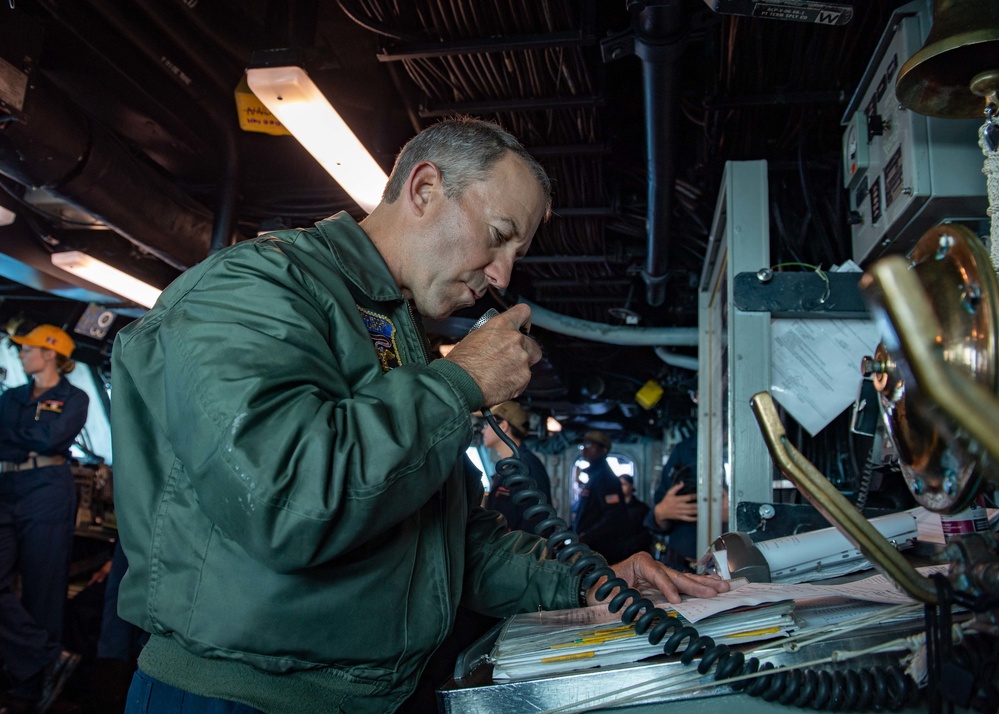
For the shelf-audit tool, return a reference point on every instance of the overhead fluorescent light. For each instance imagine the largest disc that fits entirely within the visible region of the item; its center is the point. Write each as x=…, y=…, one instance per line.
x=296, y=101
x=103, y=275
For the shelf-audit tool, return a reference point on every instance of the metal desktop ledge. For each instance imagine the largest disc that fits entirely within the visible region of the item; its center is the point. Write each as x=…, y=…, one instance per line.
x=478, y=694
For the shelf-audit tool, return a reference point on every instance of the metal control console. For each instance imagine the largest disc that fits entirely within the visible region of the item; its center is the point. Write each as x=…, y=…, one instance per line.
x=905, y=172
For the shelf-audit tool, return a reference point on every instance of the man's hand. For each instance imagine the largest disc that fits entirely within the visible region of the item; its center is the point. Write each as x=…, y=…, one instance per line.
x=642, y=572
x=498, y=356
x=674, y=507
x=101, y=575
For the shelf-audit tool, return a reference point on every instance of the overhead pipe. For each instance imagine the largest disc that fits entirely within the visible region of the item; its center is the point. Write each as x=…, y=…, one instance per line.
x=163, y=105
x=212, y=65
x=182, y=234
x=57, y=147
x=675, y=360
x=296, y=21
x=659, y=41
x=611, y=334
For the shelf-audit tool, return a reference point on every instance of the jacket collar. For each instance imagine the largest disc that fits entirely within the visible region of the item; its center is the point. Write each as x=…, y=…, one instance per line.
x=358, y=258
x=23, y=395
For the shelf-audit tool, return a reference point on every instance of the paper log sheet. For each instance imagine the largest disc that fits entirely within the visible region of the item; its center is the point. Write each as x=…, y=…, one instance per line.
x=876, y=588
x=815, y=366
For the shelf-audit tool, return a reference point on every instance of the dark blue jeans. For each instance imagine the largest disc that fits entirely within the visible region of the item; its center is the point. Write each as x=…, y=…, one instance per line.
x=151, y=695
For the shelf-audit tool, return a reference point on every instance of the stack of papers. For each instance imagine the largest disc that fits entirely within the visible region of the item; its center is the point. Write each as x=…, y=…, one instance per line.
x=875, y=589
x=546, y=643
x=541, y=644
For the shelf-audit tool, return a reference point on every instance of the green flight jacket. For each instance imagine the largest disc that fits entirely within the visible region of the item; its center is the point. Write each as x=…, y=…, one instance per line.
x=289, y=482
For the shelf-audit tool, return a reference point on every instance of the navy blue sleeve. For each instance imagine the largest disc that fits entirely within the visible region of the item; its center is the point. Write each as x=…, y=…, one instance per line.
x=46, y=430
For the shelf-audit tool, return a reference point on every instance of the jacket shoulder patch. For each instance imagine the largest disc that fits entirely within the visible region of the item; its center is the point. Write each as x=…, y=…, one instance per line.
x=382, y=333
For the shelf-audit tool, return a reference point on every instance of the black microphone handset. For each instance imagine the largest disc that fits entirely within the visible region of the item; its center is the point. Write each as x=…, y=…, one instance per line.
x=889, y=687
x=489, y=315
x=486, y=317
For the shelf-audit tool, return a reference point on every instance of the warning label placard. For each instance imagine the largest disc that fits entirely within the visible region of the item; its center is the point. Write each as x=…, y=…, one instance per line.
x=821, y=13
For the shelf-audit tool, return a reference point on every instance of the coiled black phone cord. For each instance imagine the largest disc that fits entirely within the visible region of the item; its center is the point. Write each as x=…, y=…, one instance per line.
x=839, y=689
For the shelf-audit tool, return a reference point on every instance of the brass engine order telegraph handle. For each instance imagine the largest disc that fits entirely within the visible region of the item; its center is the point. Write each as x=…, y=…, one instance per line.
x=834, y=506
x=915, y=327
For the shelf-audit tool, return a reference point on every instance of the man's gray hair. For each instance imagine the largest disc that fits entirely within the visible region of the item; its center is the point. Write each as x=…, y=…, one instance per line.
x=465, y=150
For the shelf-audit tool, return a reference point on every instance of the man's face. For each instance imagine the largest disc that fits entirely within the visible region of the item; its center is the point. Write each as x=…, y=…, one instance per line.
x=592, y=451
x=472, y=241
x=626, y=487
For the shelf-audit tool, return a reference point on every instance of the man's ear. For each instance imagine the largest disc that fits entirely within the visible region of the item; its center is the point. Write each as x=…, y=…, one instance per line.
x=423, y=186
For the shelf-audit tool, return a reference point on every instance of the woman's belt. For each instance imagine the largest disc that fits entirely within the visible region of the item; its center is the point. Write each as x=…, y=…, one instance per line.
x=35, y=462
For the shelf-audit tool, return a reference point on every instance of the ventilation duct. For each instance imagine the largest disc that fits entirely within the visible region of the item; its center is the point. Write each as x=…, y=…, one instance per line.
x=57, y=147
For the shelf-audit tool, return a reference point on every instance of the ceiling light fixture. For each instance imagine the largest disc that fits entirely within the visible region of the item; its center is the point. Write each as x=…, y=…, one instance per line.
x=103, y=275
x=296, y=101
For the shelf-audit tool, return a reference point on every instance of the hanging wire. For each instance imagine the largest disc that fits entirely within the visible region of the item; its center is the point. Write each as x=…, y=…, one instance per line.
x=816, y=268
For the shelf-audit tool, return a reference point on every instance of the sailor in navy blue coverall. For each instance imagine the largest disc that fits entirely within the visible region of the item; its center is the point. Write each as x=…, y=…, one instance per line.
x=38, y=423
x=599, y=516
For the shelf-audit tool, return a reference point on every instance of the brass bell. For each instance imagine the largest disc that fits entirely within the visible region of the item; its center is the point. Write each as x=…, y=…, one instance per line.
x=956, y=72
